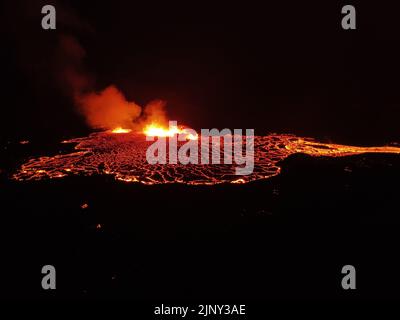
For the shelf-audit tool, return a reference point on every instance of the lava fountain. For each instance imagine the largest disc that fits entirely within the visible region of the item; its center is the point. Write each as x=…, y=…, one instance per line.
x=120, y=130
x=155, y=130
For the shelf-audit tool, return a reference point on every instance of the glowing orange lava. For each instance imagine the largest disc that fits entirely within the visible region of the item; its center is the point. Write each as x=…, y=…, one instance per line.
x=124, y=157
x=121, y=130
x=154, y=130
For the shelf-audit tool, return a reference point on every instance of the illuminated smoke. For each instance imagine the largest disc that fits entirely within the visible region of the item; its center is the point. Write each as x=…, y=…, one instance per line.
x=107, y=108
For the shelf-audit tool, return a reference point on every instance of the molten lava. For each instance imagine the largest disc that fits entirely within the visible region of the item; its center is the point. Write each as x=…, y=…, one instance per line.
x=121, y=130
x=124, y=157
x=154, y=130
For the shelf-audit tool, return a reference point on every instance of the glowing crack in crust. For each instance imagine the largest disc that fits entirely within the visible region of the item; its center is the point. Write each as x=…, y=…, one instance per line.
x=124, y=157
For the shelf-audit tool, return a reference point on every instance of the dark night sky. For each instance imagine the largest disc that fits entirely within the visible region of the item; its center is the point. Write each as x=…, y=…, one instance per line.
x=285, y=67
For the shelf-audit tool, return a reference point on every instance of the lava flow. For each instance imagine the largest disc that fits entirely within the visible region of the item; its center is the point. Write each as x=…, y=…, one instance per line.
x=122, y=154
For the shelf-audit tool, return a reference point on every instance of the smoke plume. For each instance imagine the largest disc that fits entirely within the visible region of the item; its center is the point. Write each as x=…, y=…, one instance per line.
x=104, y=109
